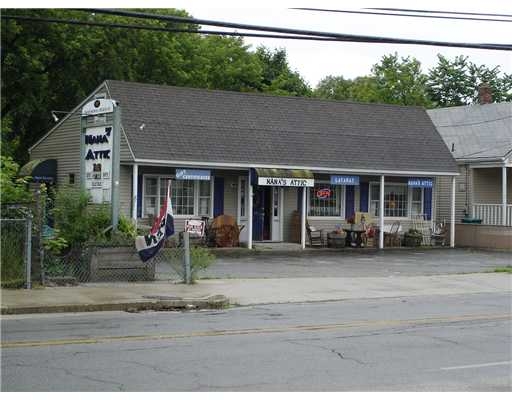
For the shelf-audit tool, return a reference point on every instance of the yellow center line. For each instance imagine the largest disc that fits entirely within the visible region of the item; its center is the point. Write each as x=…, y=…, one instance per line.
x=268, y=330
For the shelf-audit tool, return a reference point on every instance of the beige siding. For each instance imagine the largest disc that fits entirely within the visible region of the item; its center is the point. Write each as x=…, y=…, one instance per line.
x=63, y=144
x=473, y=186
x=443, y=194
x=230, y=190
x=488, y=185
x=125, y=190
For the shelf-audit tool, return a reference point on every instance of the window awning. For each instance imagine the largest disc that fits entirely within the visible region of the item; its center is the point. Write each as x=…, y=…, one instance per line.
x=40, y=170
x=284, y=177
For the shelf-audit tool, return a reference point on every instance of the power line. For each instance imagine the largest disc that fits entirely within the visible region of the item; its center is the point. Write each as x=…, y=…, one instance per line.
x=344, y=37
x=301, y=36
x=439, y=12
x=401, y=14
x=160, y=29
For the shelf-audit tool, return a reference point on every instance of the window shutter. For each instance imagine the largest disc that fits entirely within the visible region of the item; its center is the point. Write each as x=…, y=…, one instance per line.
x=218, y=196
x=139, y=196
x=349, y=201
x=427, y=203
x=363, y=196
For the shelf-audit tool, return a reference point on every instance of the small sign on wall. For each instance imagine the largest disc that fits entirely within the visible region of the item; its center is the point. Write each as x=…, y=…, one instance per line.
x=347, y=180
x=291, y=182
x=420, y=182
x=193, y=174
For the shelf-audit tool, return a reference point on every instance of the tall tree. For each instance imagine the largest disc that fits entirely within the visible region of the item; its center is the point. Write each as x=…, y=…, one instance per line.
x=54, y=66
x=401, y=81
x=455, y=83
x=278, y=78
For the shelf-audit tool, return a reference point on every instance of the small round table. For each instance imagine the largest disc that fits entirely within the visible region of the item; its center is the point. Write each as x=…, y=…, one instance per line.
x=354, y=237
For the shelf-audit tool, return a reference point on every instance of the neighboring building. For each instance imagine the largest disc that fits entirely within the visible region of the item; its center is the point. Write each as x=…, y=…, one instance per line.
x=239, y=138
x=480, y=138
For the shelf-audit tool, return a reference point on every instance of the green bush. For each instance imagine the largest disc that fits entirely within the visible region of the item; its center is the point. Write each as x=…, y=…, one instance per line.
x=12, y=256
x=200, y=259
x=14, y=188
x=79, y=222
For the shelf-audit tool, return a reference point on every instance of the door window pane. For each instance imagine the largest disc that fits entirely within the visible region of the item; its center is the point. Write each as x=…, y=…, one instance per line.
x=204, y=197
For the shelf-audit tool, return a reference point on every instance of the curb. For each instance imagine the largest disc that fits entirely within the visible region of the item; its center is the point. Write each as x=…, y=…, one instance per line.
x=210, y=302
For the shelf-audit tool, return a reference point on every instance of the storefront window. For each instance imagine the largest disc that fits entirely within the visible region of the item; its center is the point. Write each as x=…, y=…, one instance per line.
x=395, y=200
x=326, y=200
x=188, y=197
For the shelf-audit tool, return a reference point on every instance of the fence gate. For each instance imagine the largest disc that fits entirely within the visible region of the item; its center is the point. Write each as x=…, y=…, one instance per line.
x=16, y=252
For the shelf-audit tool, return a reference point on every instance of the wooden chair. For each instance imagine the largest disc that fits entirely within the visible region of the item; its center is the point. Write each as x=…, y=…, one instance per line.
x=316, y=236
x=226, y=231
x=439, y=235
x=392, y=238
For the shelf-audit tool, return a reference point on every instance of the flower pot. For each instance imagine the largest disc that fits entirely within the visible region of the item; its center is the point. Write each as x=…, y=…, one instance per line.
x=412, y=240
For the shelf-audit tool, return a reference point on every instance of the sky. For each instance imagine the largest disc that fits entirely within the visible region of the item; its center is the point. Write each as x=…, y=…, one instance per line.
x=316, y=60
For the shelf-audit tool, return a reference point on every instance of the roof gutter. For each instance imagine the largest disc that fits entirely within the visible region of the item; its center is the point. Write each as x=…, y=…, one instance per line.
x=299, y=167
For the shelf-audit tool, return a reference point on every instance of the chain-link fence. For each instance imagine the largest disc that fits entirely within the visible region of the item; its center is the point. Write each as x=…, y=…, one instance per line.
x=100, y=263
x=16, y=252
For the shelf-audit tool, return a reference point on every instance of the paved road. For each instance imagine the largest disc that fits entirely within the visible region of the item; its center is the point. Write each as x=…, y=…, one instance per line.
x=459, y=342
x=359, y=264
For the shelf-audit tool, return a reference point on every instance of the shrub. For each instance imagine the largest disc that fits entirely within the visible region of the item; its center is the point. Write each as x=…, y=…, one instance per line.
x=12, y=256
x=200, y=259
x=14, y=188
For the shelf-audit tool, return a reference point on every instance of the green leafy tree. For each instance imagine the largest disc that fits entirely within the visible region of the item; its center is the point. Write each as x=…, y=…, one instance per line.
x=392, y=81
x=334, y=87
x=14, y=189
x=455, y=82
x=52, y=66
x=401, y=81
x=277, y=77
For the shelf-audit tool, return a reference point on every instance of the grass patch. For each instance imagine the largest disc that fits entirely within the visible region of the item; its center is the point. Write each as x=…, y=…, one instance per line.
x=506, y=270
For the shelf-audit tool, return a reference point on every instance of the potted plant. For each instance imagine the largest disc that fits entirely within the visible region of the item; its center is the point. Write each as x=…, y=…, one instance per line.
x=351, y=220
x=413, y=238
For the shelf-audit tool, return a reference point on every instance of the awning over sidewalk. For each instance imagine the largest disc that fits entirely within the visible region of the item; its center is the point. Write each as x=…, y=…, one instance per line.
x=284, y=177
x=40, y=170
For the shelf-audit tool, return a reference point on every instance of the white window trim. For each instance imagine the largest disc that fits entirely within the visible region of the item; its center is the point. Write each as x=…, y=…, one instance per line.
x=196, y=195
x=342, y=206
x=239, y=196
x=409, y=199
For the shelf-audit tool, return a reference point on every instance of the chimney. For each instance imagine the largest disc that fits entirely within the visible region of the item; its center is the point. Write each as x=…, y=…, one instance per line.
x=484, y=94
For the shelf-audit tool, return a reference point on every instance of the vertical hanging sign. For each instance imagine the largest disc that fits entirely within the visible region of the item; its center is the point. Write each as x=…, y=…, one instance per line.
x=99, y=153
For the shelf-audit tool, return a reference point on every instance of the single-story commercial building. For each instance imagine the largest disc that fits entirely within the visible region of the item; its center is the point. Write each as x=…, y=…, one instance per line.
x=479, y=137
x=269, y=161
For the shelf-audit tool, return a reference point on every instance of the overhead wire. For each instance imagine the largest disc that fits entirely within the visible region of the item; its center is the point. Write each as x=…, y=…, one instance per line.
x=354, y=38
x=159, y=28
x=401, y=14
x=438, y=12
x=283, y=33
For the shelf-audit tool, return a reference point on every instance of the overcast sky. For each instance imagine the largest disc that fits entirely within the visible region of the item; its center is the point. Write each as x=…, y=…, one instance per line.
x=315, y=60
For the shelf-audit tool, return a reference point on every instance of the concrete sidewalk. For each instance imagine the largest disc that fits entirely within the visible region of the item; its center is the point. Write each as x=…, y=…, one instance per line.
x=208, y=293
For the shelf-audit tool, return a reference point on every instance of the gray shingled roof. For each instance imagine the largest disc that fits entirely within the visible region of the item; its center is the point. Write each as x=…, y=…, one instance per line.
x=188, y=124
x=478, y=132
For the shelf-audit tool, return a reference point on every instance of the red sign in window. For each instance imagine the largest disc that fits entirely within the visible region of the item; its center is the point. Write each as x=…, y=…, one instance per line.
x=323, y=193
